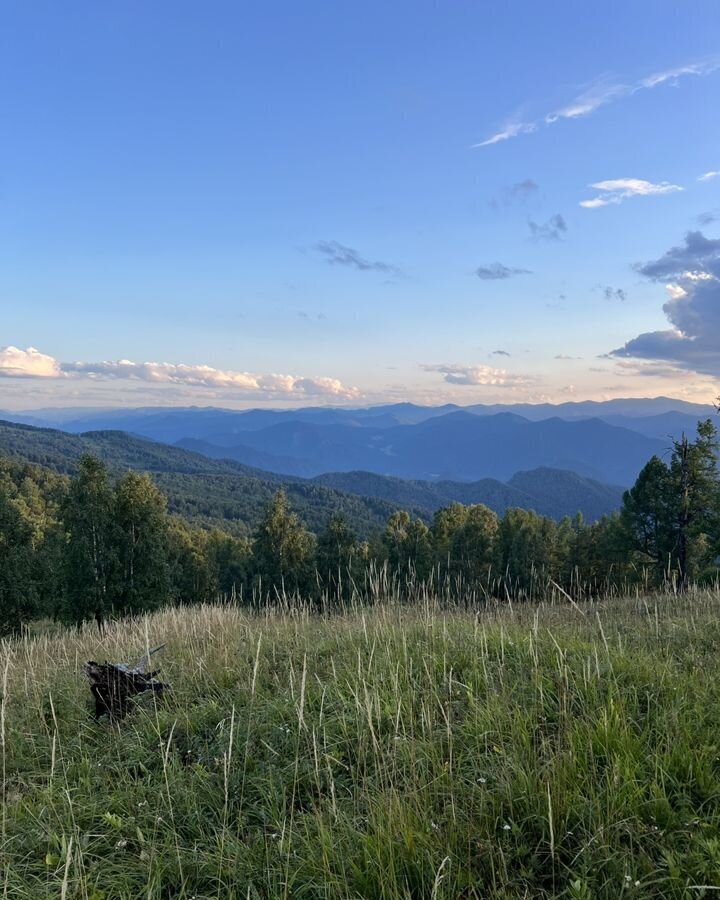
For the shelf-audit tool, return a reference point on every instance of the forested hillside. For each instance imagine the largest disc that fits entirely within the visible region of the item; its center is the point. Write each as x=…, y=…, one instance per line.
x=225, y=493
x=102, y=543
x=206, y=492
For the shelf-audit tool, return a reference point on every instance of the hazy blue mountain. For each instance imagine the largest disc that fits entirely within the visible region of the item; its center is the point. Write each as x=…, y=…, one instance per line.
x=226, y=493
x=630, y=408
x=223, y=427
x=550, y=492
x=459, y=446
x=606, y=441
x=664, y=426
x=248, y=456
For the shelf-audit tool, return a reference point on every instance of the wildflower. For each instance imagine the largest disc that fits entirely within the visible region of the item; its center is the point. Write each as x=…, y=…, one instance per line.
x=121, y=845
x=482, y=781
x=506, y=827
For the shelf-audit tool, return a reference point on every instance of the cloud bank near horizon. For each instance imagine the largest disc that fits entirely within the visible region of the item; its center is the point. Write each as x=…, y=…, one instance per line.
x=31, y=363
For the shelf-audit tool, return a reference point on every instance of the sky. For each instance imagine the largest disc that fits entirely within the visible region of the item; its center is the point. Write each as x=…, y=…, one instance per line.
x=293, y=204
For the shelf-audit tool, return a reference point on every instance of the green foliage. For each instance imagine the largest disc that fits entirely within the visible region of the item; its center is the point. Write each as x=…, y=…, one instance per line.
x=141, y=539
x=30, y=543
x=91, y=555
x=207, y=493
x=282, y=549
x=671, y=517
x=337, y=556
x=103, y=543
x=407, y=544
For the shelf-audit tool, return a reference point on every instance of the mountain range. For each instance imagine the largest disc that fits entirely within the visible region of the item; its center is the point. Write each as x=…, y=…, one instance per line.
x=606, y=441
x=229, y=495
x=220, y=465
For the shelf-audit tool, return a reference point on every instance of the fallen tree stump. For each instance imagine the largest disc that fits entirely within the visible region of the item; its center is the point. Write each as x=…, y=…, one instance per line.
x=113, y=685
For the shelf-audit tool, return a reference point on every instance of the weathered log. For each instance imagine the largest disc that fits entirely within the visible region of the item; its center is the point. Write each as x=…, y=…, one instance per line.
x=113, y=685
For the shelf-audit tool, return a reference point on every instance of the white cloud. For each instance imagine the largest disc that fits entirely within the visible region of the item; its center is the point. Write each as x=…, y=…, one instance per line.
x=615, y=190
x=601, y=93
x=708, y=176
x=595, y=97
x=30, y=363
x=210, y=377
x=476, y=375
x=510, y=130
x=703, y=67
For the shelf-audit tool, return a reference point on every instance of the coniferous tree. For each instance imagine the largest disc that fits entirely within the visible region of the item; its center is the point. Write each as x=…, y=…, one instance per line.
x=671, y=515
x=695, y=496
x=646, y=515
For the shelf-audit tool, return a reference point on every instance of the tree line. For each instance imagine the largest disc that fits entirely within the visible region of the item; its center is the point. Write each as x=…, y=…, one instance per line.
x=91, y=546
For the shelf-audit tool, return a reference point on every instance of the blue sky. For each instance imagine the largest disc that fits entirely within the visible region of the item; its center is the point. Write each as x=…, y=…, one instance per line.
x=281, y=203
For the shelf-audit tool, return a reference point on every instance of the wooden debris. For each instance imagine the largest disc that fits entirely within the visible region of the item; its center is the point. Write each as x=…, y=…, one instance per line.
x=114, y=684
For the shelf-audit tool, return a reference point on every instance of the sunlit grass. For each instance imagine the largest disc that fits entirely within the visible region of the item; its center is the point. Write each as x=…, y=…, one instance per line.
x=386, y=752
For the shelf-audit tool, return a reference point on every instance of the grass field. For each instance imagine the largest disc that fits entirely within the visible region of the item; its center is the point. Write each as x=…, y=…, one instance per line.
x=395, y=752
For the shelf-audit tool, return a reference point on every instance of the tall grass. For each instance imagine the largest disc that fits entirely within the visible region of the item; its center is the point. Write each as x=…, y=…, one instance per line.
x=391, y=751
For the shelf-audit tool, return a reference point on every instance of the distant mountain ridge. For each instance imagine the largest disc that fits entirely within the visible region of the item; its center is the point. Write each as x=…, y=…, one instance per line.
x=458, y=446
x=228, y=494
x=550, y=492
x=171, y=424
x=606, y=441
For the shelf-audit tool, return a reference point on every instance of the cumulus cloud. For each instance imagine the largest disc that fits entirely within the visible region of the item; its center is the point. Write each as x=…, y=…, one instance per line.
x=708, y=176
x=691, y=273
x=339, y=255
x=208, y=377
x=552, y=230
x=615, y=190
x=476, y=375
x=497, y=271
x=29, y=363
x=598, y=94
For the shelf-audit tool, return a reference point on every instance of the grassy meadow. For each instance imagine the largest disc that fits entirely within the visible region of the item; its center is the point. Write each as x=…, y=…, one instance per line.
x=389, y=752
